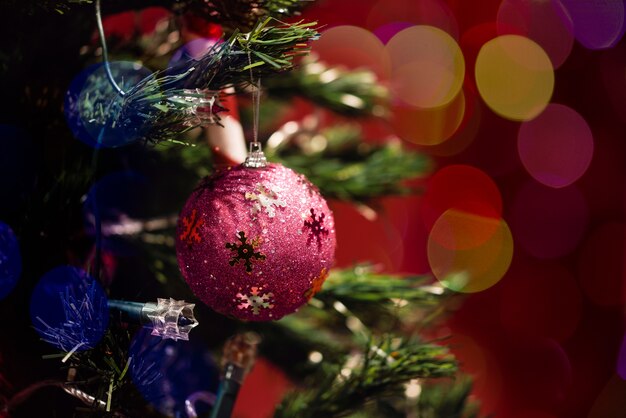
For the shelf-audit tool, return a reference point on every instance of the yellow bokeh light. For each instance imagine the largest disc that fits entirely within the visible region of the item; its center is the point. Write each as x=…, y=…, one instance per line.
x=514, y=76
x=428, y=126
x=461, y=261
x=427, y=66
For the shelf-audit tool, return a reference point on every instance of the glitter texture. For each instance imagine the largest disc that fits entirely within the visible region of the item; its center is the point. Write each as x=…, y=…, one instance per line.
x=228, y=222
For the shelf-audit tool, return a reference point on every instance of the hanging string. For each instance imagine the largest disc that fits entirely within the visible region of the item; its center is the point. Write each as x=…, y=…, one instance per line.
x=256, y=158
x=256, y=102
x=105, y=53
x=256, y=106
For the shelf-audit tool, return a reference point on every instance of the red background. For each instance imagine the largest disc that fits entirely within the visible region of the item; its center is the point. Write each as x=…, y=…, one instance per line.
x=544, y=341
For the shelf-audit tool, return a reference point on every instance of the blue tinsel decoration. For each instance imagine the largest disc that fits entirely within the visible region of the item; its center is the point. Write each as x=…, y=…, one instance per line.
x=69, y=309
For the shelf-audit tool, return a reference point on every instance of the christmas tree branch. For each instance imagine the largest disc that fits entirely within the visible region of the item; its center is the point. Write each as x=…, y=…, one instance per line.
x=344, y=167
x=350, y=93
x=267, y=49
x=426, y=399
x=449, y=399
x=171, y=102
x=361, y=284
x=381, y=369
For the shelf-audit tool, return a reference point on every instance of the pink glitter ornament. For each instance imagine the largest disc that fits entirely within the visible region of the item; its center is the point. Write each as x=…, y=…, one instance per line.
x=255, y=243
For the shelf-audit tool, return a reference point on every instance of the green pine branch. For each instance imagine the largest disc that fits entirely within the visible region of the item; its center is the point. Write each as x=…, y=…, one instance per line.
x=346, y=168
x=362, y=284
x=382, y=302
x=441, y=398
x=101, y=372
x=380, y=370
x=346, y=92
x=163, y=106
x=449, y=399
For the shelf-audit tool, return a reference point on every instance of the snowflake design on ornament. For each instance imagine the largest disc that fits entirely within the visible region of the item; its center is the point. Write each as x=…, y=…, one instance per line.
x=316, y=228
x=190, y=228
x=256, y=300
x=316, y=284
x=310, y=187
x=245, y=251
x=265, y=199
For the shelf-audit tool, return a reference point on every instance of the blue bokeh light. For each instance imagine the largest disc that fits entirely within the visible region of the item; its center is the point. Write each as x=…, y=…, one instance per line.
x=167, y=372
x=92, y=105
x=69, y=309
x=10, y=260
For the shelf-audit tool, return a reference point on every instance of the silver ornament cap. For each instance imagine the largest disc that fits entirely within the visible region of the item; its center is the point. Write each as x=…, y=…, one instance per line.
x=256, y=157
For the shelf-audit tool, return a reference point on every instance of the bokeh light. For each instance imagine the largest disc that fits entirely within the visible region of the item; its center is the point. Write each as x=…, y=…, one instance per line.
x=465, y=134
x=597, y=24
x=545, y=22
x=540, y=299
x=10, y=260
x=416, y=12
x=352, y=47
x=602, y=265
x=556, y=147
x=92, y=105
x=428, y=126
x=461, y=187
x=458, y=230
x=68, y=308
x=168, y=372
x=514, y=77
x=469, y=253
x=548, y=223
x=17, y=163
x=427, y=66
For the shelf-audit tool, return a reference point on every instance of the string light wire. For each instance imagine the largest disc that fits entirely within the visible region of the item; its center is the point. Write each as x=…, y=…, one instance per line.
x=105, y=53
